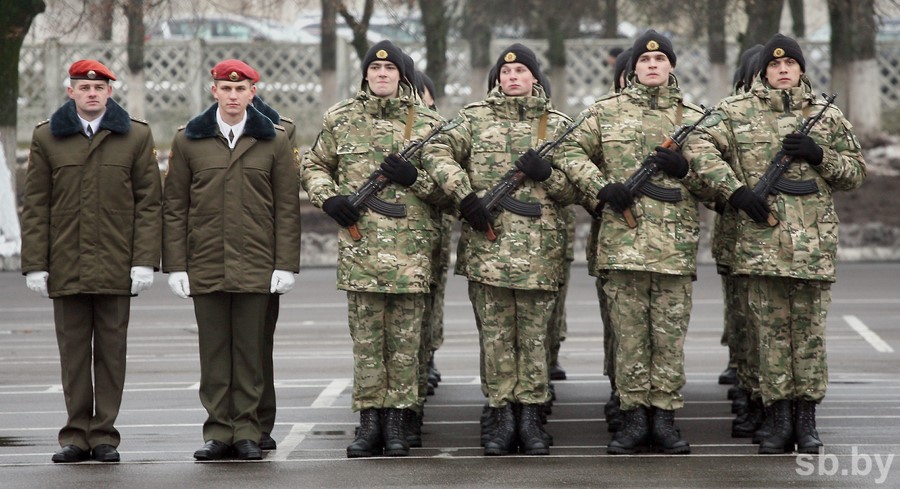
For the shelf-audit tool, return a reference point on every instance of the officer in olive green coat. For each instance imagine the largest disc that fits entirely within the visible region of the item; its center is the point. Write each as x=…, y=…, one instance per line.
x=231, y=238
x=90, y=240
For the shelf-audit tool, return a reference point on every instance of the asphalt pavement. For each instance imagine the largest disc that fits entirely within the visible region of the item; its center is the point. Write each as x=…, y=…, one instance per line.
x=161, y=416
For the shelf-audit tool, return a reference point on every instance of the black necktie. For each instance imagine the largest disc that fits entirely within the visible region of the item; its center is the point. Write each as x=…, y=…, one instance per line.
x=231, y=136
x=90, y=132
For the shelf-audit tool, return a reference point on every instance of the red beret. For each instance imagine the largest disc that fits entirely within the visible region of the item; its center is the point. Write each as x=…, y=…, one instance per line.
x=90, y=69
x=234, y=70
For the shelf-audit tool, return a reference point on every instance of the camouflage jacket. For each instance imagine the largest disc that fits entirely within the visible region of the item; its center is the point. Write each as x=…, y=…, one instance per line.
x=480, y=146
x=746, y=132
x=619, y=132
x=394, y=254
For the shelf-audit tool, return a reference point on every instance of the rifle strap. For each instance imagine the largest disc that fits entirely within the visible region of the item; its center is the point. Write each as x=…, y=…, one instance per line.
x=679, y=114
x=542, y=126
x=410, y=118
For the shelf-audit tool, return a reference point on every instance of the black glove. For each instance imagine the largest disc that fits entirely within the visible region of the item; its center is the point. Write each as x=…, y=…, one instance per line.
x=533, y=166
x=756, y=207
x=341, y=210
x=802, y=146
x=616, y=195
x=399, y=170
x=671, y=162
x=474, y=211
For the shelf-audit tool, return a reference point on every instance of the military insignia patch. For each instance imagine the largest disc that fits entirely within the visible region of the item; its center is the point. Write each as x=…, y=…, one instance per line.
x=169, y=164
x=778, y=52
x=233, y=76
x=712, y=120
x=91, y=74
x=381, y=54
x=510, y=57
x=297, y=156
x=652, y=45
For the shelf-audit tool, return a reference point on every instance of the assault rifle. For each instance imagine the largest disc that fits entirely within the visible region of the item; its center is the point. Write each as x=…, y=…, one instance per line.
x=365, y=196
x=773, y=179
x=501, y=194
x=639, y=181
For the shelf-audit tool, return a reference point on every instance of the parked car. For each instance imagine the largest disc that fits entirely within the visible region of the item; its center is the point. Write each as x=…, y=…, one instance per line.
x=224, y=28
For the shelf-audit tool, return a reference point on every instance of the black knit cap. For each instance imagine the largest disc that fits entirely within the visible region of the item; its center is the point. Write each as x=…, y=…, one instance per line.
x=426, y=82
x=621, y=67
x=517, y=53
x=780, y=47
x=386, y=51
x=748, y=67
x=648, y=42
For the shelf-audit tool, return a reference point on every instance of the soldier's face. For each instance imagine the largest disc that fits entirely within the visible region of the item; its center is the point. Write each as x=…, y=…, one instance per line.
x=783, y=73
x=516, y=80
x=383, y=78
x=90, y=97
x=653, y=69
x=233, y=98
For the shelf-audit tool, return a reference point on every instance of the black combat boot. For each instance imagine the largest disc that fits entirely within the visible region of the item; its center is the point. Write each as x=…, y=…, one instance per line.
x=433, y=370
x=741, y=402
x=395, y=444
x=728, y=376
x=781, y=439
x=532, y=439
x=666, y=438
x=634, y=437
x=765, y=428
x=503, y=441
x=488, y=423
x=613, y=413
x=368, y=435
x=805, y=425
x=412, y=427
x=732, y=391
x=557, y=372
x=745, y=425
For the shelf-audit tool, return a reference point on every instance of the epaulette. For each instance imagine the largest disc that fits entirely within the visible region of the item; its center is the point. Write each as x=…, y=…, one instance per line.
x=287, y=119
x=39, y=124
x=279, y=127
x=561, y=114
x=607, y=95
x=340, y=105
x=480, y=103
x=693, y=106
x=181, y=128
x=142, y=121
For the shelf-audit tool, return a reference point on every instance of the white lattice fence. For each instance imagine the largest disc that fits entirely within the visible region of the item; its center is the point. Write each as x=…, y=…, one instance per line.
x=177, y=80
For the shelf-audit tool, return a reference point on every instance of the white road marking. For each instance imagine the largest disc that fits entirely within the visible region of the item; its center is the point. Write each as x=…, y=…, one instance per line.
x=872, y=337
x=291, y=441
x=330, y=393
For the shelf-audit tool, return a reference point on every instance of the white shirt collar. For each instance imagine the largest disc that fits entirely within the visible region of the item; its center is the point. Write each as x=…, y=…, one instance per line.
x=225, y=128
x=95, y=124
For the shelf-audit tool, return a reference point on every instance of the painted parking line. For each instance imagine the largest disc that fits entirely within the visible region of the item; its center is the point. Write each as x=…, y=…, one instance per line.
x=872, y=337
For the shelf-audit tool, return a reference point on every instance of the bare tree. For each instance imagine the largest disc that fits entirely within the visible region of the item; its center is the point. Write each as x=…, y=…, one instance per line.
x=477, y=29
x=359, y=27
x=134, y=13
x=14, y=24
x=101, y=14
x=763, y=18
x=328, y=72
x=854, y=69
x=436, y=24
x=719, y=73
x=799, y=18
x=610, y=13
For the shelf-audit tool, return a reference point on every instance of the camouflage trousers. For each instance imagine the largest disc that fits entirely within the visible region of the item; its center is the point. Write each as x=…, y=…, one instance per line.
x=744, y=334
x=650, y=313
x=729, y=336
x=790, y=316
x=557, y=328
x=609, y=335
x=386, y=333
x=432, y=334
x=513, y=342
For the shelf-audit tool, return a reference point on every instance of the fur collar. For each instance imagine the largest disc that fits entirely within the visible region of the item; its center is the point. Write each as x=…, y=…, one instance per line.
x=205, y=125
x=266, y=110
x=64, y=122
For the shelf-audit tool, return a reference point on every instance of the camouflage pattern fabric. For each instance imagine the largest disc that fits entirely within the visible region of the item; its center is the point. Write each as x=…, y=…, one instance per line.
x=556, y=333
x=609, y=333
x=745, y=335
x=514, y=335
x=386, y=332
x=394, y=254
x=650, y=313
x=743, y=135
x=481, y=145
x=792, y=315
x=620, y=131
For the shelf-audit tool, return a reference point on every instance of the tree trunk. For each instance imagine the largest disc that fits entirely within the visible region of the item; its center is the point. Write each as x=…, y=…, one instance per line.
x=478, y=33
x=556, y=55
x=764, y=17
x=14, y=24
x=854, y=69
x=799, y=18
x=436, y=25
x=720, y=80
x=328, y=53
x=134, y=13
x=610, y=18
x=360, y=27
x=101, y=16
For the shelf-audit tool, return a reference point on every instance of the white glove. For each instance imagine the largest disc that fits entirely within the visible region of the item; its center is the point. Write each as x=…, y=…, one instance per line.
x=178, y=282
x=282, y=281
x=37, y=281
x=141, y=279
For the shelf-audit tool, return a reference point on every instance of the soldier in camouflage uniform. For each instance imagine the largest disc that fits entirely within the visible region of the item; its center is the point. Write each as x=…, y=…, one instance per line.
x=647, y=270
x=388, y=271
x=789, y=266
x=513, y=280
